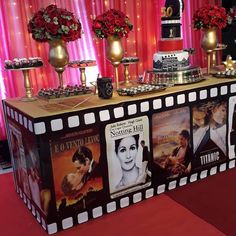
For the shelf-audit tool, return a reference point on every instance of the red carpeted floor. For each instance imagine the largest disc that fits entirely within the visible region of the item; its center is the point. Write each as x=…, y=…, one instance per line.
x=205, y=208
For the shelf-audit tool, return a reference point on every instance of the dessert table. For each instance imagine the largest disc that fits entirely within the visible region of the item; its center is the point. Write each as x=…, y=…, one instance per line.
x=49, y=138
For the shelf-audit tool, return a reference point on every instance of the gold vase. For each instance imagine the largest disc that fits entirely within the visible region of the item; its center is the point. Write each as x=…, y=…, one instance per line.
x=208, y=44
x=114, y=53
x=58, y=57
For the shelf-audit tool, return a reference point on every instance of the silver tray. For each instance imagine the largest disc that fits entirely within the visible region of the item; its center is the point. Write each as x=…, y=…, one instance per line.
x=141, y=90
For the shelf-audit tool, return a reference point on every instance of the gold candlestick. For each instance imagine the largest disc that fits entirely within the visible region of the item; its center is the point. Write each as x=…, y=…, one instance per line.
x=82, y=76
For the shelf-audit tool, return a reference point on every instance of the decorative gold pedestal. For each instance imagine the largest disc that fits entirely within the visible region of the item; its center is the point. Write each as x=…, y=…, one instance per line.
x=114, y=53
x=58, y=57
x=209, y=54
x=208, y=44
x=126, y=82
x=126, y=64
x=60, y=71
x=29, y=97
x=82, y=76
x=28, y=88
x=219, y=47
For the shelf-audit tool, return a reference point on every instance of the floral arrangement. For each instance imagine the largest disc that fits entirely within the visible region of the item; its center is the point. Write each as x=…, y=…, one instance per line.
x=112, y=23
x=54, y=23
x=210, y=17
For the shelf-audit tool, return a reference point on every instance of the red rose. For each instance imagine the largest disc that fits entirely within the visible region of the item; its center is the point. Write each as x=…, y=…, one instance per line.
x=71, y=36
x=97, y=25
x=51, y=8
x=52, y=28
x=39, y=21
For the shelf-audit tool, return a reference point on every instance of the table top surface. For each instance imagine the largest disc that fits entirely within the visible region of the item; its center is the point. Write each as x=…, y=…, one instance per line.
x=44, y=108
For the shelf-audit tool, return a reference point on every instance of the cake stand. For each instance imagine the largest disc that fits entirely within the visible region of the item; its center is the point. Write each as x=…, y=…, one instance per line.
x=126, y=61
x=217, y=49
x=82, y=66
x=27, y=84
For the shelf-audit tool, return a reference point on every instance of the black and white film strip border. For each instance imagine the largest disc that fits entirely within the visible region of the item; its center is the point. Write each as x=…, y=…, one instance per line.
x=172, y=185
x=192, y=97
x=124, y=202
x=193, y=177
x=224, y=90
x=104, y=115
x=183, y=181
x=137, y=197
x=157, y=104
x=213, y=92
x=132, y=109
x=43, y=223
x=233, y=88
x=149, y=193
x=181, y=99
x=67, y=223
x=31, y=207
x=232, y=164
x=144, y=106
x=118, y=112
x=111, y=206
x=73, y=121
x=52, y=228
x=203, y=94
x=203, y=174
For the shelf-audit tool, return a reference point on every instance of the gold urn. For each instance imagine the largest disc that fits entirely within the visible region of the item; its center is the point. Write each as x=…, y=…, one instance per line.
x=58, y=57
x=114, y=53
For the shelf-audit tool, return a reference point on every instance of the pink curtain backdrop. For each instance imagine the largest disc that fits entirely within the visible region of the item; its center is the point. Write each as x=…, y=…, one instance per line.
x=142, y=42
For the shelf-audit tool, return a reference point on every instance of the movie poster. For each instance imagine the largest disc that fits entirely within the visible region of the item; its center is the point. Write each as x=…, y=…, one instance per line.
x=172, y=150
x=19, y=159
x=209, y=133
x=76, y=170
x=232, y=127
x=128, y=155
x=41, y=197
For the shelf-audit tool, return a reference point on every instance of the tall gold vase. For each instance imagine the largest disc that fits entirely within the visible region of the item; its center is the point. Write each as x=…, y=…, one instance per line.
x=208, y=44
x=58, y=57
x=114, y=53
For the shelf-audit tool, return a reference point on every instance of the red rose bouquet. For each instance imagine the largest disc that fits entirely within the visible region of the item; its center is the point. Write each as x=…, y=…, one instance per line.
x=54, y=23
x=210, y=17
x=112, y=23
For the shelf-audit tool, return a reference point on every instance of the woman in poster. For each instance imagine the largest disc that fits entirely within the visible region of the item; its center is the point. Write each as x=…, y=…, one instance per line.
x=218, y=125
x=126, y=150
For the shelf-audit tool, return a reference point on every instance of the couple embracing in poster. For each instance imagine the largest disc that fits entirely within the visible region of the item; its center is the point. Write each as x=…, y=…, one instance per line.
x=86, y=167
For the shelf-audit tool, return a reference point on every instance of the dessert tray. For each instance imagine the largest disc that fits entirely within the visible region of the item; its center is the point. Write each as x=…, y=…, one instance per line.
x=129, y=60
x=225, y=74
x=68, y=91
x=141, y=90
x=23, y=63
x=190, y=75
x=82, y=63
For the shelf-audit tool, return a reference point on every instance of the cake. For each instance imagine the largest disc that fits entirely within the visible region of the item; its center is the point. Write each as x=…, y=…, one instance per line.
x=171, y=56
x=171, y=63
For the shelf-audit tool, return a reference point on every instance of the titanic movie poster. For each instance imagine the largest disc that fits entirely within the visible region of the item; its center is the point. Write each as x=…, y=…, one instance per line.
x=209, y=133
x=128, y=155
x=232, y=127
x=172, y=151
x=19, y=159
x=76, y=170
